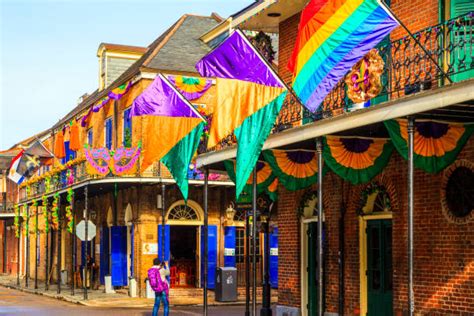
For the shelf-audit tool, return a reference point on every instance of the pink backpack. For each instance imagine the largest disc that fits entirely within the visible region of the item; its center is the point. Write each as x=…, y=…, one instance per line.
x=156, y=283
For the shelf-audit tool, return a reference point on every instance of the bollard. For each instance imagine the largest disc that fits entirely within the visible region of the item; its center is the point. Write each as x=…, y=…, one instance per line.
x=149, y=291
x=109, y=289
x=132, y=287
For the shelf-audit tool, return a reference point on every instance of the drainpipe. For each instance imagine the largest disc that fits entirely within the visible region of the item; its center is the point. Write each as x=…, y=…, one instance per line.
x=411, y=298
x=319, y=149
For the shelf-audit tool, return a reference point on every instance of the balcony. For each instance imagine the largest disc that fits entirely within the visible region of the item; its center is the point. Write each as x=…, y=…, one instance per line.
x=407, y=69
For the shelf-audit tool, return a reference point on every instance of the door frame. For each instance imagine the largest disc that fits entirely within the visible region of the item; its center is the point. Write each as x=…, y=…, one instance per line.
x=304, y=261
x=363, y=256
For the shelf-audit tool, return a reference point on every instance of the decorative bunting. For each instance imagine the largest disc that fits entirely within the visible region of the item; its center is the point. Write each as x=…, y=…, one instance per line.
x=272, y=190
x=120, y=162
x=191, y=88
x=437, y=144
x=120, y=91
x=59, y=150
x=295, y=169
x=355, y=159
x=74, y=141
x=265, y=176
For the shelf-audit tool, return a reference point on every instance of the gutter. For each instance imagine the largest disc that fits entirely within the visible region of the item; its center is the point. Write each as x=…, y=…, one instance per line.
x=409, y=105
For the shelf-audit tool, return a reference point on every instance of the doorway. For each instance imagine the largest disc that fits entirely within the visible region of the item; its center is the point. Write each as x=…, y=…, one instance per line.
x=183, y=256
x=379, y=267
x=312, y=267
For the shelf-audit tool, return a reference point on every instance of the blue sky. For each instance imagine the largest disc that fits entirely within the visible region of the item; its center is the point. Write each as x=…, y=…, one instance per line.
x=48, y=51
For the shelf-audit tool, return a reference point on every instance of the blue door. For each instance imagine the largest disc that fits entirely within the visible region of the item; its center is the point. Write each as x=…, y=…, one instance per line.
x=167, y=243
x=273, y=258
x=104, y=254
x=211, y=256
x=118, y=255
x=229, y=246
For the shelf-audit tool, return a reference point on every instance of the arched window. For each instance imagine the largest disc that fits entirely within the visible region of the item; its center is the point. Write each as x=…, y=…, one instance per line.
x=181, y=213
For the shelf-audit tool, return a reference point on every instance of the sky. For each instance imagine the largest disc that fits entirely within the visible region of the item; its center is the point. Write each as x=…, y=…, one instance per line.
x=48, y=51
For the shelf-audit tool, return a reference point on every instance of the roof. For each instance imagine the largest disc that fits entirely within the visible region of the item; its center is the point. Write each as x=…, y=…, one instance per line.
x=122, y=48
x=183, y=49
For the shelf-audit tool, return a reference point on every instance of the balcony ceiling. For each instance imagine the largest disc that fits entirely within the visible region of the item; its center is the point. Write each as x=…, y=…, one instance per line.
x=263, y=22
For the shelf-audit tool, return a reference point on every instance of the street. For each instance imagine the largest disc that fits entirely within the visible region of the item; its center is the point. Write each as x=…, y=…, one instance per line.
x=13, y=302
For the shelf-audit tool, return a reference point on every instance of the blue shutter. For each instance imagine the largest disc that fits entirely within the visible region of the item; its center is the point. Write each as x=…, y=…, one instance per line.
x=211, y=256
x=118, y=255
x=132, y=237
x=274, y=258
x=167, y=243
x=229, y=246
x=108, y=134
x=104, y=253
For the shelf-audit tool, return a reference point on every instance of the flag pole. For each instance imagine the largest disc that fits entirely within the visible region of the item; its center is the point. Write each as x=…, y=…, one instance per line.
x=387, y=8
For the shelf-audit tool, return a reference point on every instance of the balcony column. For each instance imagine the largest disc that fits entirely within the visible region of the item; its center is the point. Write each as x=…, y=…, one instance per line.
x=18, y=254
x=86, y=218
x=319, y=149
x=36, y=246
x=73, y=248
x=59, y=236
x=46, y=212
x=411, y=298
x=27, y=240
x=206, y=238
x=254, y=242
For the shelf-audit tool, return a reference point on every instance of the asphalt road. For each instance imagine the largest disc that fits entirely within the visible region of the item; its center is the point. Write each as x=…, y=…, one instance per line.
x=13, y=302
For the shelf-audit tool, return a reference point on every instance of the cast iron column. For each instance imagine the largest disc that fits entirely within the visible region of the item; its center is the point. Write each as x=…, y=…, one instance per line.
x=266, y=309
x=59, y=236
x=73, y=248
x=46, y=255
x=27, y=256
x=247, y=264
x=36, y=247
x=163, y=214
x=411, y=298
x=254, y=241
x=206, y=237
x=18, y=257
x=5, y=199
x=319, y=149
x=86, y=218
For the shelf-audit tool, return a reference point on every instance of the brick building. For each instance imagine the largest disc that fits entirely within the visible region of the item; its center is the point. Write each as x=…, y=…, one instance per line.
x=365, y=264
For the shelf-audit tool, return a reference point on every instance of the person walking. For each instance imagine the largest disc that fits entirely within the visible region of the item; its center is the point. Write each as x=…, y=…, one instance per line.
x=157, y=275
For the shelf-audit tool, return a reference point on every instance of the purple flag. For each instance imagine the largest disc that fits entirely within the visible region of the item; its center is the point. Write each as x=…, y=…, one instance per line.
x=160, y=98
x=235, y=58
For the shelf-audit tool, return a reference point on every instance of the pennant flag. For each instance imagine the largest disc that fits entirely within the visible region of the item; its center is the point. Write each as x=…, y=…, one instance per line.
x=190, y=87
x=354, y=159
x=172, y=128
x=436, y=144
x=295, y=169
x=13, y=174
x=332, y=37
x=119, y=92
x=265, y=178
x=249, y=97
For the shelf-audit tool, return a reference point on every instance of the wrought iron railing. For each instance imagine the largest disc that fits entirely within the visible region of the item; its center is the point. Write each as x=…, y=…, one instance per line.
x=407, y=69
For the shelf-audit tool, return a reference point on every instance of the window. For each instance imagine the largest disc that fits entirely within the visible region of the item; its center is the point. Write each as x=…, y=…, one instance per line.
x=240, y=245
x=127, y=128
x=108, y=133
x=460, y=192
x=89, y=137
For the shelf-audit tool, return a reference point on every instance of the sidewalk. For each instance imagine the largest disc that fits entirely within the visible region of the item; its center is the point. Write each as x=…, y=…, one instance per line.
x=97, y=298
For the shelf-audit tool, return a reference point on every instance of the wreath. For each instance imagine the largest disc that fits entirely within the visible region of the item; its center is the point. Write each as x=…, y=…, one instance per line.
x=363, y=81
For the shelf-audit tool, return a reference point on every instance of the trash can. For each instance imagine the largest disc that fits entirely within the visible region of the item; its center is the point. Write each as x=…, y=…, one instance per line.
x=226, y=284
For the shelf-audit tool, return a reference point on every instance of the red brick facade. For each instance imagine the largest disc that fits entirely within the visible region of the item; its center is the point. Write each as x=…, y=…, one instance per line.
x=444, y=252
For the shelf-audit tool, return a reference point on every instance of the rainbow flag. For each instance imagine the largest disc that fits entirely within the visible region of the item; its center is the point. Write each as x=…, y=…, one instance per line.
x=249, y=97
x=172, y=129
x=333, y=35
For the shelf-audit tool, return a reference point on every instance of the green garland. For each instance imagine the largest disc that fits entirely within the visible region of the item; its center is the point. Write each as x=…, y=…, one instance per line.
x=45, y=214
x=27, y=220
x=35, y=204
x=55, y=211
x=47, y=184
x=16, y=221
x=69, y=214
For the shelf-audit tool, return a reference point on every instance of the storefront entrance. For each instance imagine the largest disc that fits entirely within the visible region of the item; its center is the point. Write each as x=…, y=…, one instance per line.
x=312, y=264
x=183, y=256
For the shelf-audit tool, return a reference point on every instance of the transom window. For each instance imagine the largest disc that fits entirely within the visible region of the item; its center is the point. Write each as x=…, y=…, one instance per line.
x=183, y=213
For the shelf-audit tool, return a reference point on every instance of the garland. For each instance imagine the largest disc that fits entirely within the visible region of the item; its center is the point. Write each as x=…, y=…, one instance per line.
x=47, y=184
x=55, y=211
x=69, y=214
x=45, y=214
x=16, y=221
x=35, y=204
x=27, y=221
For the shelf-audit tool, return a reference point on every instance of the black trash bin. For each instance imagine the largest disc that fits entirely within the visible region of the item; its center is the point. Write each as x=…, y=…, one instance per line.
x=226, y=284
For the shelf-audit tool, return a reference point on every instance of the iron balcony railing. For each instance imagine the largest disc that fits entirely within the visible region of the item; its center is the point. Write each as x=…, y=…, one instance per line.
x=407, y=69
